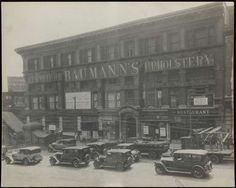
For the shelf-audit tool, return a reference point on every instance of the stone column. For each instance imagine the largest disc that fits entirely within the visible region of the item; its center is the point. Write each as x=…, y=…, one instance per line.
x=59, y=60
x=182, y=38
x=41, y=63
x=98, y=53
x=25, y=64
x=136, y=47
x=77, y=57
x=122, y=53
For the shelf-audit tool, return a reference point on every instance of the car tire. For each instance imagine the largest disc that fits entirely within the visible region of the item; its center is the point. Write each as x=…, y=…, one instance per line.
x=215, y=159
x=152, y=155
x=52, y=161
x=198, y=172
x=26, y=162
x=159, y=169
x=120, y=166
x=76, y=163
x=7, y=160
x=97, y=164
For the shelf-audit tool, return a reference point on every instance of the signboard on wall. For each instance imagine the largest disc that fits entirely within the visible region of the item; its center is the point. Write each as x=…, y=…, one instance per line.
x=78, y=100
x=52, y=127
x=200, y=101
x=163, y=131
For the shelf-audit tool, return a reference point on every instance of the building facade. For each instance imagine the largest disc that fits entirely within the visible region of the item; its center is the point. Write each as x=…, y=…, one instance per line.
x=159, y=77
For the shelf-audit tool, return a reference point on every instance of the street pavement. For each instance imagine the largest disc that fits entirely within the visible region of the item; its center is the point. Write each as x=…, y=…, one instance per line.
x=140, y=174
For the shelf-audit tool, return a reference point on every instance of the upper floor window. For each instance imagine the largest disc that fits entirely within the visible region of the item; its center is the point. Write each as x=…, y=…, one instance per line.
x=109, y=52
x=35, y=103
x=130, y=97
x=150, y=45
x=173, y=41
x=129, y=48
x=68, y=59
x=33, y=64
x=49, y=62
x=87, y=55
x=201, y=36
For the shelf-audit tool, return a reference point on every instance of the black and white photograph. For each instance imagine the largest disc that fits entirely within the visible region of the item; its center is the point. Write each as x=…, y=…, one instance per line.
x=117, y=94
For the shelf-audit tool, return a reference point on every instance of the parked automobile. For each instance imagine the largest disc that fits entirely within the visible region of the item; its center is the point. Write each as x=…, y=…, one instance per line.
x=74, y=155
x=115, y=158
x=4, y=151
x=195, y=162
x=100, y=148
x=60, y=144
x=27, y=155
x=154, y=149
x=134, y=153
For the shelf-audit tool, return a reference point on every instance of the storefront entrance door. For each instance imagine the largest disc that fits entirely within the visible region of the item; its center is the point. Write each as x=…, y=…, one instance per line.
x=131, y=127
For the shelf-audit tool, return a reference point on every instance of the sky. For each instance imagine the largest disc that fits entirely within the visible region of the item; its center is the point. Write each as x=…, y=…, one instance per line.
x=27, y=23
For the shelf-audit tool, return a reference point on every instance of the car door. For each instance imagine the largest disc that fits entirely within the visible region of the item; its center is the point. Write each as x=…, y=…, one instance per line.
x=182, y=162
x=66, y=155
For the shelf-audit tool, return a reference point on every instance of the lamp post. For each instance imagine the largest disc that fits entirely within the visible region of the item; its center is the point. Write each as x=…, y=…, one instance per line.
x=190, y=115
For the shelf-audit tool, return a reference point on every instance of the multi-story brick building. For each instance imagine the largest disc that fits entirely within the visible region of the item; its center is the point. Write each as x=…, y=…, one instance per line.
x=159, y=76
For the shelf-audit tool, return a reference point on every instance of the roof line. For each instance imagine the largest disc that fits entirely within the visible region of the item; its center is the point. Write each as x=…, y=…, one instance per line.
x=119, y=26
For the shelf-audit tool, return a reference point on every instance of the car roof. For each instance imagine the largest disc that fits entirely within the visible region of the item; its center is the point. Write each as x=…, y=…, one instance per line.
x=30, y=148
x=125, y=144
x=76, y=147
x=119, y=150
x=66, y=139
x=191, y=151
x=96, y=143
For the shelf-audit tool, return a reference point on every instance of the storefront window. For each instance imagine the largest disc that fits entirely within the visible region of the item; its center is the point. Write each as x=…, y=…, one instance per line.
x=113, y=99
x=41, y=103
x=35, y=103
x=130, y=97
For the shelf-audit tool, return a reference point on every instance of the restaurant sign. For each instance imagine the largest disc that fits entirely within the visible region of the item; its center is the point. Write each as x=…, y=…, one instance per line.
x=192, y=112
x=116, y=69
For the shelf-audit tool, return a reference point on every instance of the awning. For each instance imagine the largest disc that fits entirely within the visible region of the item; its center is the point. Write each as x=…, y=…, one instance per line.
x=40, y=133
x=32, y=125
x=12, y=121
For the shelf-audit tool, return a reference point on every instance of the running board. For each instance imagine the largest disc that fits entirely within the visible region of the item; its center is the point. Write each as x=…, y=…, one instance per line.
x=173, y=171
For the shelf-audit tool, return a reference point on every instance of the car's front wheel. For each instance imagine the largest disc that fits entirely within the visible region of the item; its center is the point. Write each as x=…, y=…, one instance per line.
x=97, y=164
x=52, y=161
x=159, y=169
x=7, y=160
x=76, y=163
x=26, y=162
x=198, y=173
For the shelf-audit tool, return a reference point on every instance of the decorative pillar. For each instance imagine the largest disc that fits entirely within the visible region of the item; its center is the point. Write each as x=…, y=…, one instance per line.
x=98, y=53
x=41, y=63
x=182, y=38
x=136, y=47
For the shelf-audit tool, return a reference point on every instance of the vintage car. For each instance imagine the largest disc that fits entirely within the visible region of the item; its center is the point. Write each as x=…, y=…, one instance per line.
x=134, y=153
x=195, y=162
x=153, y=149
x=100, y=147
x=27, y=155
x=74, y=155
x=4, y=151
x=60, y=144
x=115, y=158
